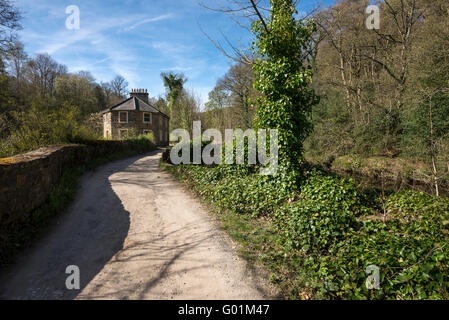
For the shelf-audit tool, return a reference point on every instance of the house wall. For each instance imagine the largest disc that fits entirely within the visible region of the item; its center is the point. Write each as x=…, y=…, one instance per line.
x=107, y=125
x=158, y=125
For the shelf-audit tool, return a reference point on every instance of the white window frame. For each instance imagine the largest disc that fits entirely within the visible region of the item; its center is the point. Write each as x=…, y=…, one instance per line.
x=151, y=117
x=127, y=119
x=120, y=133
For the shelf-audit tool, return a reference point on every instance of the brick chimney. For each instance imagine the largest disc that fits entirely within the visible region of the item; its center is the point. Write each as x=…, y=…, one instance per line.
x=141, y=94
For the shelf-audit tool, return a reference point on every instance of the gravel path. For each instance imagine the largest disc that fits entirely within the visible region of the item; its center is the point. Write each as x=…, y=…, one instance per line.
x=134, y=233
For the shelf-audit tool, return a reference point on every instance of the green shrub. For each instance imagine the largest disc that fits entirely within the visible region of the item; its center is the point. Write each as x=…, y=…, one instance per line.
x=325, y=213
x=39, y=127
x=235, y=188
x=340, y=193
x=411, y=205
x=148, y=136
x=313, y=226
x=252, y=195
x=413, y=263
x=411, y=250
x=141, y=144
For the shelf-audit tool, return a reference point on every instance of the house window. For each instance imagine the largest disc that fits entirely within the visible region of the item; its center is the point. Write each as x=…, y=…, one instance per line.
x=147, y=117
x=123, y=133
x=123, y=116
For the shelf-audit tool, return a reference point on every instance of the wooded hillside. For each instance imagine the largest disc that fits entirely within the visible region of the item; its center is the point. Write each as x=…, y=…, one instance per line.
x=382, y=92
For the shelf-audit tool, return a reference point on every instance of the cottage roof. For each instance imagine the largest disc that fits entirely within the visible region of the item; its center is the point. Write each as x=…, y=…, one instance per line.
x=134, y=103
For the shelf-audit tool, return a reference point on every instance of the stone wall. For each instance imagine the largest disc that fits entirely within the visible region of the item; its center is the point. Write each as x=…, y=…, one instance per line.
x=26, y=180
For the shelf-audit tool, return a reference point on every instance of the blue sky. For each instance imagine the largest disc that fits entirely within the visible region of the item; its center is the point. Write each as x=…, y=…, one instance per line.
x=137, y=39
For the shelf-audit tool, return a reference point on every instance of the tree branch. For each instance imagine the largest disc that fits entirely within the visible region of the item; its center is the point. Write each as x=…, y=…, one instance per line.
x=260, y=16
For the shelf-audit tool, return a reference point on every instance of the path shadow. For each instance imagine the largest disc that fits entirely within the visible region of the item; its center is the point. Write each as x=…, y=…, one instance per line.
x=88, y=234
x=160, y=253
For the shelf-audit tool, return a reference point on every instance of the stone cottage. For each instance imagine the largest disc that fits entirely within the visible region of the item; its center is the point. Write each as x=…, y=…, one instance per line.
x=136, y=115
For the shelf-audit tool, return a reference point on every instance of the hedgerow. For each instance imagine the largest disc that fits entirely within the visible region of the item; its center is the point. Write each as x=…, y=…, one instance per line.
x=231, y=188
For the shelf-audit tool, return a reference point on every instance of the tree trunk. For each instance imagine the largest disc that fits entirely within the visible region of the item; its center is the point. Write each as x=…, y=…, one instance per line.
x=432, y=150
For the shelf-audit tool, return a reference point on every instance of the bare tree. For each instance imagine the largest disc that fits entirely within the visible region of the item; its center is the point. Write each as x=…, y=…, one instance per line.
x=42, y=71
x=243, y=13
x=9, y=23
x=17, y=60
x=239, y=84
x=119, y=86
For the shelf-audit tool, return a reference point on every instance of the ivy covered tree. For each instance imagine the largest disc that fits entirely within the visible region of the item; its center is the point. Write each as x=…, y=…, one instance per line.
x=283, y=75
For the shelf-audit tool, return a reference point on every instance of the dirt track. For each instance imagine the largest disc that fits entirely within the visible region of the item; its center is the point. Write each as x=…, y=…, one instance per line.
x=135, y=234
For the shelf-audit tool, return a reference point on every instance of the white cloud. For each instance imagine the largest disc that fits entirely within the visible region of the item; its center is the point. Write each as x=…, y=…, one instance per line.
x=159, y=18
x=89, y=30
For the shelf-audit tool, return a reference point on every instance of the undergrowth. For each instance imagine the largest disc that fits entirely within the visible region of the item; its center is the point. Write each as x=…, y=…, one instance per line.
x=322, y=241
